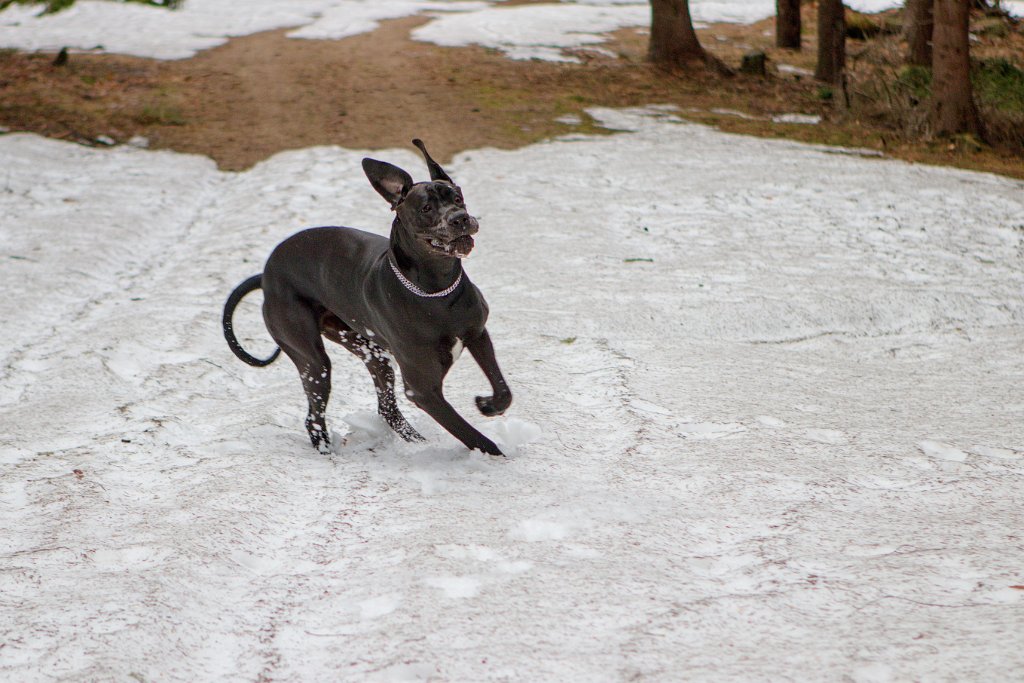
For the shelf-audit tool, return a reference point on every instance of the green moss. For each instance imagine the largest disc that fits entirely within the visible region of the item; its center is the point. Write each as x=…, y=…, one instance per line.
x=997, y=83
x=1000, y=84
x=916, y=80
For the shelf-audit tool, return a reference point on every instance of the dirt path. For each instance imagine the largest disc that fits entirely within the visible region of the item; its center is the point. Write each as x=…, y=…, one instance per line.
x=260, y=94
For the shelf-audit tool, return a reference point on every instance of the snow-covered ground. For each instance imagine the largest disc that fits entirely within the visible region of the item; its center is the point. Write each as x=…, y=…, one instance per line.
x=535, y=31
x=768, y=424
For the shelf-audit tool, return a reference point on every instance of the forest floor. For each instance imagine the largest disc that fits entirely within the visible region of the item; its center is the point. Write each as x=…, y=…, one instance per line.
x=379, y=89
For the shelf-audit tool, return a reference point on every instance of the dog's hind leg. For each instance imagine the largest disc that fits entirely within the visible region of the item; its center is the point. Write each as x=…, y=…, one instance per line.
x=376, y=361
x=294, y=326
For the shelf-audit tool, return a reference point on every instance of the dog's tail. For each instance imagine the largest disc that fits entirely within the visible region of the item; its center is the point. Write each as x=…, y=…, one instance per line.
x=241, y=290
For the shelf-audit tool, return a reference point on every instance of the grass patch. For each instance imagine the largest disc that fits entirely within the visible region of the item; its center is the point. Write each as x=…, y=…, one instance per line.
x=49, y=6
x=916, y=81
x=161, y=115
x=54, y=6
x=999, y=84
x=861, y=26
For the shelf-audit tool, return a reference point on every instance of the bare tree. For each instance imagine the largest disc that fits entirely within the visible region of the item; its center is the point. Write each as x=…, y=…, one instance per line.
x=952, y=107
x=918, y=24
x=673, y=40
x=831, y=67
x=787, y=24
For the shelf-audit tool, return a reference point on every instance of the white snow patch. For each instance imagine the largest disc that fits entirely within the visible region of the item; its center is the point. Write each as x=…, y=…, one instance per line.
x=374, y=608
x=942, y=450
x=876, y=672
x=537, y=31
x=533, y=31
x=856, y=550
x=511, y=433
x=826, y=436
x=147, y=31
x=709, y=430
x=404, y=673
x=806, y=119
x=346, y=19
x=455, y=586
x=794, y=70
x=733, y=112
x=538, y=529
x=999, y=453
x=875, y=301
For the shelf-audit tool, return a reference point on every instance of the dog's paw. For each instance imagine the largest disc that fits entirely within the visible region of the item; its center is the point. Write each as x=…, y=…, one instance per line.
x=486, y=406
x=489, y=447
x=491, y=406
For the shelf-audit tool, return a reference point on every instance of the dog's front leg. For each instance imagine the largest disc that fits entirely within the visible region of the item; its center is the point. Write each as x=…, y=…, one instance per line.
x=483, y=353
x=425, y=391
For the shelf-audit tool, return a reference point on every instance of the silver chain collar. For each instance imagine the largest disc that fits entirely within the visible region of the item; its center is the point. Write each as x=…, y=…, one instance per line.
x=411, y=286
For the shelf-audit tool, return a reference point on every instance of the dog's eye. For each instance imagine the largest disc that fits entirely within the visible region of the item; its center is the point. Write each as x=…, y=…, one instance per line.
x=427, y=208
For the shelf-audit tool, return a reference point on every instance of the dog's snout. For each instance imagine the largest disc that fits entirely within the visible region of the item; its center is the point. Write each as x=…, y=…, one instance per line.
x=464, y=223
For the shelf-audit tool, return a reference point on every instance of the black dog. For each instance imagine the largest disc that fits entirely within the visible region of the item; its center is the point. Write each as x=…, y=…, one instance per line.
x=406, y=296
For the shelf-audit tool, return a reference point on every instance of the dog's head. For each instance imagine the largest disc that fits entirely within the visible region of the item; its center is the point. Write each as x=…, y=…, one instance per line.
x=433, y=212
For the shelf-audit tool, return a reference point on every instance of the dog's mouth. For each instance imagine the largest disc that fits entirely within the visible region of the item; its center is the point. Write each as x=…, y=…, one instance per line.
x=458, y=247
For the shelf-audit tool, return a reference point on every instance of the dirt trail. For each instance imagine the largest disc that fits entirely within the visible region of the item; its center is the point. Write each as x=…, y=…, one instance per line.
x=257, y=95
x=260, y=94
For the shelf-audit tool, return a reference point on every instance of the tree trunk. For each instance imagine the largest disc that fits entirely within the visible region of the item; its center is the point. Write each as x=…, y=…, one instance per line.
x=787, y=23
x=917, y=29
x=673, y=40
x=953, y=109
x=831, y=41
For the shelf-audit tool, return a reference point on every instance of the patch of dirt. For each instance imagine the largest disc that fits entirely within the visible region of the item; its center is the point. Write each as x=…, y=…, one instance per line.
x=261, y=94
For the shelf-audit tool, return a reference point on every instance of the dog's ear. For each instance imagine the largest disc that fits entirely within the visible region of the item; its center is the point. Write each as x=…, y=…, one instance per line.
x=436, y=172
x=390, y=181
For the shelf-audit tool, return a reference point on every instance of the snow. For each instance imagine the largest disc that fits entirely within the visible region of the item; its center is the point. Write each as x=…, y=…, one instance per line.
x=148, y=31
x=534, y=31
x=345, y=19
x=804, y=119
x=1014, y=7
x=787, y=444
